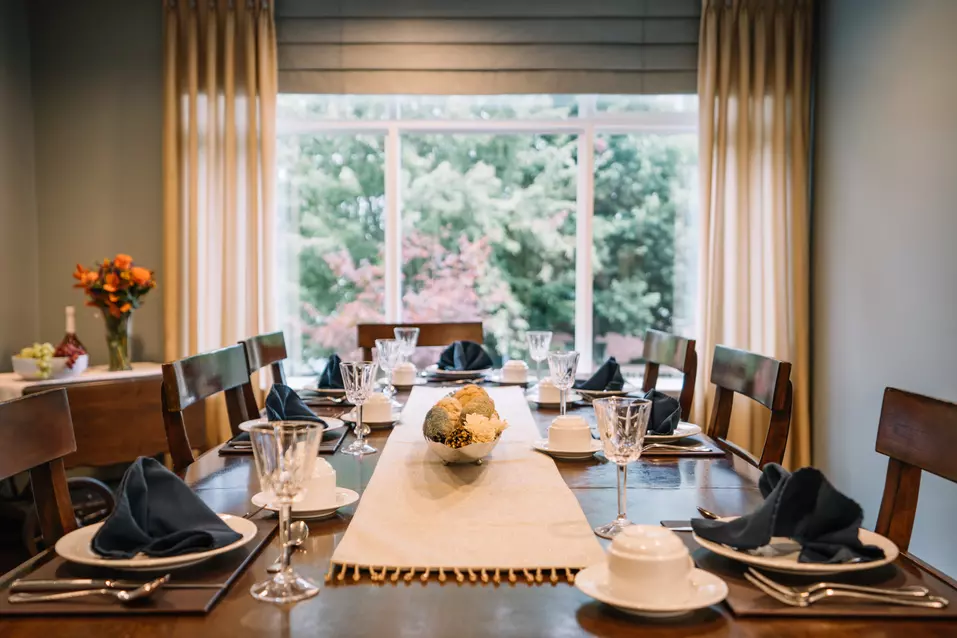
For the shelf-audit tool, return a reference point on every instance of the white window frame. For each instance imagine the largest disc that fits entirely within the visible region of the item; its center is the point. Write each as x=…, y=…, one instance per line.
x=589, y=123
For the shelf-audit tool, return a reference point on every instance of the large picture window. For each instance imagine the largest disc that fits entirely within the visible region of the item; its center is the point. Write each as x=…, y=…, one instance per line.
x=568, y=213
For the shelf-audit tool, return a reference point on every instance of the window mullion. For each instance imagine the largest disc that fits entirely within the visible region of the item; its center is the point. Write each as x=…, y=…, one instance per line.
x=585, y=208
x=393, y=228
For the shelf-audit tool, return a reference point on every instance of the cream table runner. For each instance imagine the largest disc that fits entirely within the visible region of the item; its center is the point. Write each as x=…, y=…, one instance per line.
x=512, y=518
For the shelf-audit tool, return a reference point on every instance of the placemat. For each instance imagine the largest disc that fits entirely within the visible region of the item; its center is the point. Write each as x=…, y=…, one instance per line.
x=691, y=441
x=745, y=599
x=331, y=440
x=511, y=519
x=224, y=569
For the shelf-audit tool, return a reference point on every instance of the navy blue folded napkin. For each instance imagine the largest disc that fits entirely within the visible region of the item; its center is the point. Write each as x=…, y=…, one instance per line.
x=331, y=376
x=804, y=507
x=464, y=355
x=607, y=377
x=665, y=413
x=283, y=404
x=158, y=515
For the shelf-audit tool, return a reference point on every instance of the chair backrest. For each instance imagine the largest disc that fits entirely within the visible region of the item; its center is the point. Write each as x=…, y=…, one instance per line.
x=917, y=433
x=36, y=432
x=662, y=348
x=430, y=334
x=261, y=351
x=193, y=379
x=762, y=379
x=118, y=420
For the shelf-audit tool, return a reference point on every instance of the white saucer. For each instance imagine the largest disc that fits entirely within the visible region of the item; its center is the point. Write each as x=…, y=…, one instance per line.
x=572, y=397
x=344, y=497
x=350, y=417
x=331, y=423
x=708, y=590
x=76, y=547
x=781, y=555
x=682, y=431
x=497, y=378
x=567, y=455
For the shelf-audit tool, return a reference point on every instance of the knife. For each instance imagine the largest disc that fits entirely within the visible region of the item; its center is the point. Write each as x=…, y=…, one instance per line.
x=76, y=584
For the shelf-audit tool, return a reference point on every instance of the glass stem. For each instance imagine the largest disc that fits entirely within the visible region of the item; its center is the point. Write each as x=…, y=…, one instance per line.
x=538, y=370
x=622, y=493
x=562, y=403
x=285, y=513
x=360, y=433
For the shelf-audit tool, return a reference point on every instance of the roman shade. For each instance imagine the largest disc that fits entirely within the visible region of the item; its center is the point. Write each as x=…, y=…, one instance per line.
x=487, y=46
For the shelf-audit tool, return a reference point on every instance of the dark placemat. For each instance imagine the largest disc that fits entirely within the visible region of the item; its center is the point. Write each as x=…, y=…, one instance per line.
x=689, y=441
x=331, y=440
x=225, y=569
x=745, y=599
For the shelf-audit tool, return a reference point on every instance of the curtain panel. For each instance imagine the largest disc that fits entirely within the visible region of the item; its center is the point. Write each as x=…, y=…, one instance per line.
x=754, y=106
x=219, y=94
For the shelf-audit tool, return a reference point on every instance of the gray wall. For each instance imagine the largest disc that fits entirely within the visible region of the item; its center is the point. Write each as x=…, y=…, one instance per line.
x=97, y=86
x=885, y=240
x=18, y=208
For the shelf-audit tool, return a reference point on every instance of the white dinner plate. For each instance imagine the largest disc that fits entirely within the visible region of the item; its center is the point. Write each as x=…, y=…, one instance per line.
x=350, y=417
x=542, y=445
x=308, y=511
x=781, y=555
x=329, y=392
x=434, y=371
x=77, y=547
x=683, y=430
x=331, y=423
x=590, y=395
x=532, y=395
x=707, y=590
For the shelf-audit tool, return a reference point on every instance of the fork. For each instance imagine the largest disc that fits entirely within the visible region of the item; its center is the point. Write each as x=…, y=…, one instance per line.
x=911, y=591
x=676, y=448
x=928, y=602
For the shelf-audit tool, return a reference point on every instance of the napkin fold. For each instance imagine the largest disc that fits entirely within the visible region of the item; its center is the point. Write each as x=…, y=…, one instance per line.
x=283, y=404
x=665, y=413
x=158, y=515
x=331, y=375
x=607, y=377
x=804, y=507
x=464, y=355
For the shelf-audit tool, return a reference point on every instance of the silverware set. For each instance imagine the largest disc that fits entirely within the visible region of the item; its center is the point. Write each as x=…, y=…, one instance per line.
x=123, y=595
x=811, y=594
x=676, y=448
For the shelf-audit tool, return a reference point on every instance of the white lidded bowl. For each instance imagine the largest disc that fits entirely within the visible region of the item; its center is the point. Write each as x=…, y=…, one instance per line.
x=27, y=368
x=472, y=453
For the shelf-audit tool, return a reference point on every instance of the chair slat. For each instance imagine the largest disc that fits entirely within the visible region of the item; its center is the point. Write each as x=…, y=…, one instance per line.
x=662, y=348
x=430, y=334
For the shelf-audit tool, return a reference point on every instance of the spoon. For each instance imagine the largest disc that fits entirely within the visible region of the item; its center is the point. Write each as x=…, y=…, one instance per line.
x=125, y=596
x=298, y=532
x=708, y=514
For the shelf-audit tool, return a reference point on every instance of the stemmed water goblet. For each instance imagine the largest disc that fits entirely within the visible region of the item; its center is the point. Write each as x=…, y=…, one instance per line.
x=409, y=338
x=389, y=356
x=285, y=454
x=358, y=379
x=622, y=423
x=538, y=343
x=562, y=366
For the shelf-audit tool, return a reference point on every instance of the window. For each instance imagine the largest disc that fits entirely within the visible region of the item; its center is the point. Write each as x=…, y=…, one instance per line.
x=568, y=213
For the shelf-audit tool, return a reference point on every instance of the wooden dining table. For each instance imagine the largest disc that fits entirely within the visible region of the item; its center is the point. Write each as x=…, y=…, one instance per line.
x=659, y=488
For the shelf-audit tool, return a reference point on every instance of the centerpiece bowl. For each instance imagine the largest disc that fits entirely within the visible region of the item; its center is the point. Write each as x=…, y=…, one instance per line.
x=463, y=427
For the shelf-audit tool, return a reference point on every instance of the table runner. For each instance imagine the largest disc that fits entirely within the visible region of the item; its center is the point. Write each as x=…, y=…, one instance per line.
x=513, y=517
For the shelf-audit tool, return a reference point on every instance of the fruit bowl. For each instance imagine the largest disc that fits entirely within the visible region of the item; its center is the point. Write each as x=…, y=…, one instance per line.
x=472, y=453
x=27, y=368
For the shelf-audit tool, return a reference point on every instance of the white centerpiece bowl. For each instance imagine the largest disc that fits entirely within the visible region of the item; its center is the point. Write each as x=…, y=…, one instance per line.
x=471, y=453
x=27, y=369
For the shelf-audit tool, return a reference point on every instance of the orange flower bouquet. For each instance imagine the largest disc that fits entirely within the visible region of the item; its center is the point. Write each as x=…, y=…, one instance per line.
x=116, y=287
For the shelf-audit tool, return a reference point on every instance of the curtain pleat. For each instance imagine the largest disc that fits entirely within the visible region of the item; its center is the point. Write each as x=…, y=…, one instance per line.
x=218, y=162
x=754, y=97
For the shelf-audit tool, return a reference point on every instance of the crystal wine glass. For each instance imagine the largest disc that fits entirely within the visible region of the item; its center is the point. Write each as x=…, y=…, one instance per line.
x=409, y=338
x=285, y=453
x=390, y=355
x=562, y=366
x=622, y=423
x=538, y=342
x=358, y=378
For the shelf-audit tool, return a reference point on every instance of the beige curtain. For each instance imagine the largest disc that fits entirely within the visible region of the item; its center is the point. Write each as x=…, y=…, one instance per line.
x=754, y=91
x=218, y=176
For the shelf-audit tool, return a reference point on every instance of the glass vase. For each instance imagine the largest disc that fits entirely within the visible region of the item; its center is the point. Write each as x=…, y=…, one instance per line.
x=118, y=341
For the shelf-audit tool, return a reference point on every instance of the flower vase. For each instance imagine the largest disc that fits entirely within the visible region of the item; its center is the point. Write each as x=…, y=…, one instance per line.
x=118, y=341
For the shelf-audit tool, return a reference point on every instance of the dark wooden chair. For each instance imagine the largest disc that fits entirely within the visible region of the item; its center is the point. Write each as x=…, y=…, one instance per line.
x=430, y=334
x=664, y=349
x=192, y=380
x=116, y=421
x=36, y=432
x=762, y=379
x=918, y=433
x=262, y=351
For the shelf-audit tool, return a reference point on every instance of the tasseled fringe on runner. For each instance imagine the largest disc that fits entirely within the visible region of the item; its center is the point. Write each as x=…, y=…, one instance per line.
x=338, y=573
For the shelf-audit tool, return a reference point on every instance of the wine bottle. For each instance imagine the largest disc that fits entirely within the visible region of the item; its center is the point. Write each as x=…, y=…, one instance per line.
x=70, y=339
